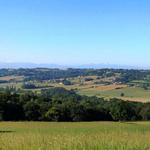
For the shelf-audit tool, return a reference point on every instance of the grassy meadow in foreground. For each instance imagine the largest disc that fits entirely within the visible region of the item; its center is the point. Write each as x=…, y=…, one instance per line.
x=74, y=136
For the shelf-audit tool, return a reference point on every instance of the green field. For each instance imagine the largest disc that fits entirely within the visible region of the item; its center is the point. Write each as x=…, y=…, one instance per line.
x=130, y=93
x=74, y=136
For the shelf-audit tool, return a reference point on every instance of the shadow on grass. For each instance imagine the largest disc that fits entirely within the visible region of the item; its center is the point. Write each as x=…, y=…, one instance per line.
x=6, y=131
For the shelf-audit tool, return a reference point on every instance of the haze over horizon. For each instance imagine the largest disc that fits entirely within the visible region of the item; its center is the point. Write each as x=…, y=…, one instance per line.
x=17, y=65
x=75, y=32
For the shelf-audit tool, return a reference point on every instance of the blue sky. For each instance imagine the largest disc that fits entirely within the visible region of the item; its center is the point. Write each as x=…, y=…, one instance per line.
x=75, y=31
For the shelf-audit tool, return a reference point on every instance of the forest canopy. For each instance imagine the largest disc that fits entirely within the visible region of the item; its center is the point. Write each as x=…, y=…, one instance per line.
x=59, y=104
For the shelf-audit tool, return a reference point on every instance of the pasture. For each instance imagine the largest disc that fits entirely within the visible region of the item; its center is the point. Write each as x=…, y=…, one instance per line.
x=130, y=93
x=75, y=136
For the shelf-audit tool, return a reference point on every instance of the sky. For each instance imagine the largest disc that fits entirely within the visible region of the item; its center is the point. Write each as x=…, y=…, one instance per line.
x=75, y=31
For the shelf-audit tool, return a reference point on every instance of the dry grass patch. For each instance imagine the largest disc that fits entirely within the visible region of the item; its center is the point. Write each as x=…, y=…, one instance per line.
x=110, y=87
x=8, y=78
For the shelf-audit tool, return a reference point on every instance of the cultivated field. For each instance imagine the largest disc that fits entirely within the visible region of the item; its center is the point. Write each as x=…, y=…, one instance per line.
x=75, y=136
x=12, y=78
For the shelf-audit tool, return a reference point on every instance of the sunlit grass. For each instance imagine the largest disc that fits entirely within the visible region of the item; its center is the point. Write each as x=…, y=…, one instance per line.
x=74, y=136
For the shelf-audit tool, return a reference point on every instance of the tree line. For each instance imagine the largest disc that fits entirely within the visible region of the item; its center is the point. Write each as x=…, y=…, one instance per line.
x=58, y=104
x=48, y=74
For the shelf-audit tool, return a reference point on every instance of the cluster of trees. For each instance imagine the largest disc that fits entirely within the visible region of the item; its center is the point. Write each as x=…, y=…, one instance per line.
x=28, y=85
x=58, y=104
x=32, y=85
x=66, y=82
x=3, y=81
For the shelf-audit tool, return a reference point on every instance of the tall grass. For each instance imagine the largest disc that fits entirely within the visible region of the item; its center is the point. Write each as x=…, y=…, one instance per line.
x=74, y=136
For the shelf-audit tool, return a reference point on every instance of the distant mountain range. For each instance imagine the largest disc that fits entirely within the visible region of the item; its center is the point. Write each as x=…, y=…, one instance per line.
x=28, y=65
x=94, y=66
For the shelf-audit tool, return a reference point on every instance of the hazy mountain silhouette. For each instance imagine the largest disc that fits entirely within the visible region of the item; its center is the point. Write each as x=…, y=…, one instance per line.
x=94, y=66
x=28, y=65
